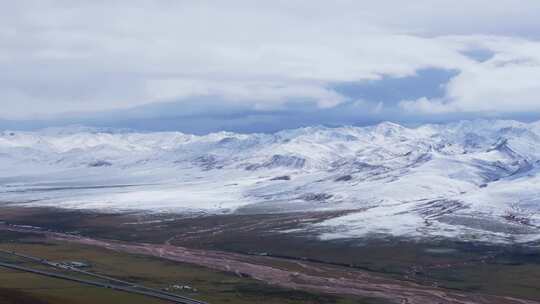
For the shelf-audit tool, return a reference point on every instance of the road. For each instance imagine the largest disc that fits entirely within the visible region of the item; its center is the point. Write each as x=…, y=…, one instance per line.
x=63, y=266
x=130, y=289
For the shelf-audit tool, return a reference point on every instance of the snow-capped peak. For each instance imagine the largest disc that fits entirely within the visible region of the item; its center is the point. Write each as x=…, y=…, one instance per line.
x=423, y=179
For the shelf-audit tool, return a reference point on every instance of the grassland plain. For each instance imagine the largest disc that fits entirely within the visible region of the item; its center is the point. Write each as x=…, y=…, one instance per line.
x=480, y=268
x=212, y=286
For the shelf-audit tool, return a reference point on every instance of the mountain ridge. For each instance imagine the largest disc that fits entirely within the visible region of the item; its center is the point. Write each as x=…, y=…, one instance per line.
x=426, y=181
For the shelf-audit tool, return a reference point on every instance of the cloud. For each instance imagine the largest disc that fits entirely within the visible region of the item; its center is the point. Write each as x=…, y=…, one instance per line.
x=261, y=94
x=505, y=83
x=58, y=57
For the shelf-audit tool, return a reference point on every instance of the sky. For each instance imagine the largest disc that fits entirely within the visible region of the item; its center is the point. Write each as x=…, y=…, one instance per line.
x=261, y=66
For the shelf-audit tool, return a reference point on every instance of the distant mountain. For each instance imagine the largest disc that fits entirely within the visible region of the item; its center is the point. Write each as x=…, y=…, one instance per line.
x=473, y=180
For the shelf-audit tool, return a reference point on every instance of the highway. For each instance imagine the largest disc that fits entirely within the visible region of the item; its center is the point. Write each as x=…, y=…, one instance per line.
x=129, y=287
x=67, y=267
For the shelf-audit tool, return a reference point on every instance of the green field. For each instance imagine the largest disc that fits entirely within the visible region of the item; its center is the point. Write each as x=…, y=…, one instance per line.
x=501, y=270
x=212, y=286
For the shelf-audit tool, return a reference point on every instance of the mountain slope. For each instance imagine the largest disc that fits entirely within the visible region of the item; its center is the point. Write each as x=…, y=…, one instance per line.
x=470, y=180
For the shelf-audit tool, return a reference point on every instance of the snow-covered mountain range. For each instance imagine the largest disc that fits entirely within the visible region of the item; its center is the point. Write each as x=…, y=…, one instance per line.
x=471, y=179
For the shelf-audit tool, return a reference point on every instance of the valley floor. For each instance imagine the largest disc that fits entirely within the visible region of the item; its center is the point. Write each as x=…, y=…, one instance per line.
x=242, y=258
